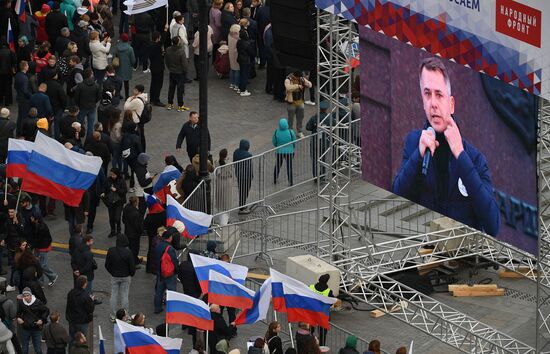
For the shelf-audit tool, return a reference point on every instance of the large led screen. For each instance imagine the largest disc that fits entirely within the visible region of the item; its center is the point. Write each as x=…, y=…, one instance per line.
x=449, y=138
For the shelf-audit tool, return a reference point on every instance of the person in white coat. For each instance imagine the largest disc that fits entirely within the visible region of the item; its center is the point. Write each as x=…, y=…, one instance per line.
x=100, y=50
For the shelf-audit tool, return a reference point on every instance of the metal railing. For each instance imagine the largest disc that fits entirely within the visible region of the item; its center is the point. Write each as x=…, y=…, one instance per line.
x=249, y=182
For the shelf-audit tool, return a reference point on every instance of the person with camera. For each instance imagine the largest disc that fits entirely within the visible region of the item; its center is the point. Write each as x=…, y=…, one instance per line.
x=100, y=50
x=295, y=84
x=32, y=314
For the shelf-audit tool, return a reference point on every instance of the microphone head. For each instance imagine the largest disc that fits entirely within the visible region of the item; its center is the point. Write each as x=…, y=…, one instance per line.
x=432, y=130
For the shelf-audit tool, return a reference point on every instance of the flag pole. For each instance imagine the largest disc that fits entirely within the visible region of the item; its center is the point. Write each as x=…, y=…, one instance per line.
x=6, y=192
x=17, y=203
x=290, y=334
x=167, y=330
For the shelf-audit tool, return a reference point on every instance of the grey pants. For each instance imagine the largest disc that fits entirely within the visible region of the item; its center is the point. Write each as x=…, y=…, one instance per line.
x=297, y=111
x=120, y=288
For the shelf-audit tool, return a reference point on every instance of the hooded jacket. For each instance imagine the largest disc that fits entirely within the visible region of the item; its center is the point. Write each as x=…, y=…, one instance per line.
x=133, y=221
x=99, y=52
x=68, y=9
x=83, y=261
x=127, y=61
x=283, y=135
x=120, y=260
x=175, y=59
x=87, y=94
x=31, y=312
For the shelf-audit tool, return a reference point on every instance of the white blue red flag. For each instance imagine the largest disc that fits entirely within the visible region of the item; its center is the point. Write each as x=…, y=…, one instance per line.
x=19, y=152
x=187, y=310
x=154, y=206
x=189, y=223
x=9, y=36
x=161, y=187
x=20, y=10
x=259, y=308
x=225, y=291
x=299, y=302
x=203, y=265
x=58, y=172
x=139, y=341
x=101, y=342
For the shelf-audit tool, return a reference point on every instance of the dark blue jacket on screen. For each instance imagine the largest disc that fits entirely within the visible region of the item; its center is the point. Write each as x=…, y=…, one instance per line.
x=478, y=209
x=159, y=251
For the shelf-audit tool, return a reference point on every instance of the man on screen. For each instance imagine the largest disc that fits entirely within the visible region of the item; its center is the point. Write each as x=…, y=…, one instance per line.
x=456, y=182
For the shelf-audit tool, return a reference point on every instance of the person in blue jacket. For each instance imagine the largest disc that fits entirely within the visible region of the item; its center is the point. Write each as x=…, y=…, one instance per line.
x=457, y=183
x=281, y=136
x=165, y=282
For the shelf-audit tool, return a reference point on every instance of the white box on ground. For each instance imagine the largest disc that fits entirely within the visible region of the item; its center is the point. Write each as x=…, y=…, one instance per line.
x=308, y=269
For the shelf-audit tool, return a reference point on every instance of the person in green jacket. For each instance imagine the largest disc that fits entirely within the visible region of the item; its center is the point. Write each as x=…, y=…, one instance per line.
x=283, y=139
x=68, y=8
x=127, y=59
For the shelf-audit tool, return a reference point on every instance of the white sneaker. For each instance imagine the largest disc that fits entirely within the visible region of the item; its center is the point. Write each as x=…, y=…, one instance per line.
x=231, y=86
x=109, y=56
x=236, y=88
x=310, y=103
x=10, y=288
x=245, y=93
x=147, y=71
x=238, y=91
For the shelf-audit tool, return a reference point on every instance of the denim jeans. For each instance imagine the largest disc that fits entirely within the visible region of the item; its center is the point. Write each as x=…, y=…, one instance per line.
x=234, y=77
x=120, y=288
x=244, y=76
x=162, y=285
x=48, y=272
x=36, y=336
x=89, y=113
x=90, y=287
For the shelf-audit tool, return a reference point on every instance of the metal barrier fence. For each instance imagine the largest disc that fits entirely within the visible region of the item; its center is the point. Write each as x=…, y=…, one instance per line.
x=249, y=182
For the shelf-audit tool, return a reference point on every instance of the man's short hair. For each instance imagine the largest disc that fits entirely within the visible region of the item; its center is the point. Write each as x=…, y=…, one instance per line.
x=155, y=35
x=246, y=12
x=178, y=18
x=75, y=59
x=87, y=238
x=140, y=88
x=65, y=31
x=81, y=281
x=88, y=73
x=193, y=112
x=22, y=64
x=435, y=64
x=73, y=109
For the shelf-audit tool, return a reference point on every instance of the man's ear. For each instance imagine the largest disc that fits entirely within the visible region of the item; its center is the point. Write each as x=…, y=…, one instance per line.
x=452, y=104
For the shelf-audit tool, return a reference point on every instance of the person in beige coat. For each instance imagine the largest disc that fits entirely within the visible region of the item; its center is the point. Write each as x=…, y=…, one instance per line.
x=99, y=50
x=295, y=84
x=196, y=49
x=136, y=103
x=233, y=64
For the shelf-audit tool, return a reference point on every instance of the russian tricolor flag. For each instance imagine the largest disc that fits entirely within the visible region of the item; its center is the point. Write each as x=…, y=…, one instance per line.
x=186, y=310
x=203, y=265
x=20, y=10
x=139, y=341
x=9, y=37
x=300, y=302
x=101, y=342
x=153, y=204
x=189, y=223
x=59, y=173
x=224, y=291
x=19, y=152
x=259, y=308
x=169, y=174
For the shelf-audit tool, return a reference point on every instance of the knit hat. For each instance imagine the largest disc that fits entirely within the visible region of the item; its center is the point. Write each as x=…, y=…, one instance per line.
x=124, y=37
x=323, y=279
x=42, y=123
x=323, y=105
x=170, y=231
x=27, y=291
x=82, y=24
x=45, y=8
x=351, y=342
x=4, y=113
x=143, y=158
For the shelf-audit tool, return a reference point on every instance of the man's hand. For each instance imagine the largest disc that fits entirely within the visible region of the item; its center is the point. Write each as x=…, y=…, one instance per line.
x=76, y=273
x=20, y=321
x=39, y=322
x=452, y=134
x=427, y=141
x=178, y=150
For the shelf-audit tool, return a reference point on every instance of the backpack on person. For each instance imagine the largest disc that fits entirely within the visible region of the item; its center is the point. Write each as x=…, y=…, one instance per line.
x=166, y=265
x=147, y=112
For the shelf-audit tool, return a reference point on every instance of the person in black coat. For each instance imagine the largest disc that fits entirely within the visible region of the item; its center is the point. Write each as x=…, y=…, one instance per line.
x=7, y=130
x=151, y=224
x=8, y=63
x=98, y=148
x=58, y=99
x=245, y=55
x=55, y=21
x=120, y=265
x=191, y=130
x=113, y=83
x=83, y=262
x=65, y=124
x=244, y=173
x=41, y=241
x=140, y=41
x=221, y=329
x=227, y=19
x=188, y=277
x=32, y=314
x=133, y=225
x=23, y=93
x=114, y=198
x=79, y=311
x=156, y=59
x=42, y=102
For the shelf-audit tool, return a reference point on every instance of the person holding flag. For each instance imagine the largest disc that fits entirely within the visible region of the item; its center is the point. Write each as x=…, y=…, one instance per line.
x=321, y=287
x=167, y=260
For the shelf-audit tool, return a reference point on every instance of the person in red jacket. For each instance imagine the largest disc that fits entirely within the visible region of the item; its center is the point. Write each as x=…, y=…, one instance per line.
x=40, y=16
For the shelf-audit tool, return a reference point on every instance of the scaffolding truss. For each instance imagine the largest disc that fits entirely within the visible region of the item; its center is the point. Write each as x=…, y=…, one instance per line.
x=365, y=269
x=543, y=291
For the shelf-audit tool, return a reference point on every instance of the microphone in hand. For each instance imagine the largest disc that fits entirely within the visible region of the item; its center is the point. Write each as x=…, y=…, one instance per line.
x=427, y=154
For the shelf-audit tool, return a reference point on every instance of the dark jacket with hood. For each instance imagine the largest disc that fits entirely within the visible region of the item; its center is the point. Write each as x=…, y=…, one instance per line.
x=133, y=221
x=120, y=260
x=244, y=170
x=83, y=261
x=57, y=95
x=159, y=251
x=80, y=307
x=87, y=94
x=130, y=143
x=31, y=312
x=175, y=59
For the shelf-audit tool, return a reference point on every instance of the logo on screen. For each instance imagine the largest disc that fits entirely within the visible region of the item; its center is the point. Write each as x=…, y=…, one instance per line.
x=519, y=21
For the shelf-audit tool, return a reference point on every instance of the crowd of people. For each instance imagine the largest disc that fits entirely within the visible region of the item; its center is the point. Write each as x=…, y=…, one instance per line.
x=70, y=68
